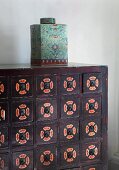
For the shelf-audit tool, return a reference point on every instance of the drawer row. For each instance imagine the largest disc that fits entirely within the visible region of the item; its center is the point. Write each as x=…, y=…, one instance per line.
x=51, y=156
x=49, y=109
x=23, y=86
x=64, y=131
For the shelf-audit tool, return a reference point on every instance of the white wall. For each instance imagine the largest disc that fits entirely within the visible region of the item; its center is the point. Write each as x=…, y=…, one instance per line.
x=93, y=38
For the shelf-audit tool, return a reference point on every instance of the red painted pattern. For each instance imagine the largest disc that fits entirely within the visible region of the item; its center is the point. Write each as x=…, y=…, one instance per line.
x=2, y=88
x=42, y=158
x=2, y=163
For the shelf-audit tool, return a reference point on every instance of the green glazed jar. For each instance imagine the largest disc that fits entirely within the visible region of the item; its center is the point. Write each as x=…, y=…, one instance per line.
x=49, y=44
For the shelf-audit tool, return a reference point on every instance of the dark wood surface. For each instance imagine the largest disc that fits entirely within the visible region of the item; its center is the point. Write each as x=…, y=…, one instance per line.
x=53, y=117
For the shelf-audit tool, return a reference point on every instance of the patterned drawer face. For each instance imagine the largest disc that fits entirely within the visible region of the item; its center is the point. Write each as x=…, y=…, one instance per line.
x=46, y=157
x=3, y=87
x=23, y=160
x=22, y=135
x=91, y=128
x=93, y=167
x=90, y=151
x=22, y=86
x=4, y=161
x=92, y=106
x=46, y=85
x=4, y=115
x=70, y=84
x=3, y=137
x=70, y=106
x=46, y=133
x=69, y=156
x=22, y=111
x=92, y=82
x=46, y=109
x=69, y=130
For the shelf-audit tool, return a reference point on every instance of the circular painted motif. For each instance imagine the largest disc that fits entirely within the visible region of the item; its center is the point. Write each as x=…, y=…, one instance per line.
x=2, y=163
x=22, y=87
x=46, y=158
x=70, y=155
x=46, y=85
x=91, y=151
x=70, y=131
x=92, y=83
x=22, y=136
x=91, y=129
x=70, y=108
x=2, y=114
x=69, y=84
x=46, y=133
x=2, y=138
x=91, y=106
x=2, y=88
x=47, y=110
x=22, y=112
x=22, y=161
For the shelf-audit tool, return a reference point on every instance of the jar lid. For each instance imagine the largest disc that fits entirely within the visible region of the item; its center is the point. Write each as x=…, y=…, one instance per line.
x=47, y=20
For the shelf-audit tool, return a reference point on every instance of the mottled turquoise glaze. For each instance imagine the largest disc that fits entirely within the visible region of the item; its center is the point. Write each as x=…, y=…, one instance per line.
x=49, y=42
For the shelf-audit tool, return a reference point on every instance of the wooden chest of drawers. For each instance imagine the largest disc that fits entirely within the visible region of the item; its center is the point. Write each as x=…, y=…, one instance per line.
x=53, y=117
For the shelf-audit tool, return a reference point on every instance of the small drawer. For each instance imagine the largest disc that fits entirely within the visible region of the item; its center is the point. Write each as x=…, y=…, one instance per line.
x=23, y=160
x=46, y=133
x=46, y=85
x=93, y=167
x=3, y=87
x=46, y=157
x=22, y=86
x=91, y=128
x=92, y=106
x=70, y=84
x=4, y=161
x=69, y=130
x=22, y=111
x=91, y=151
x=4, y=114
x=22, y=135
x=46, y=109
x=4, y=137
x=69, y=156
x=70, y=106
x=92, y=82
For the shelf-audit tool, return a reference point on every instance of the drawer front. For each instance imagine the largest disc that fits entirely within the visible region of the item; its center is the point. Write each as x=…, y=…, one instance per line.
x=3, y=137
x=46, y=85
x=92, y=82
x=23, y=160
x=70, y=106
x=69, y=156
x=70, y=84
x=69, y=130
x=22, y=111
x=3, y=87
x=91, y=106
x=93, y=167
x=46, y=133
x=91, y=128
x=4, y=161
x=46, y=157
x=4, y=115
x=22, y=135
x=91, y=151
x=22, y=86
x=46, y=109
